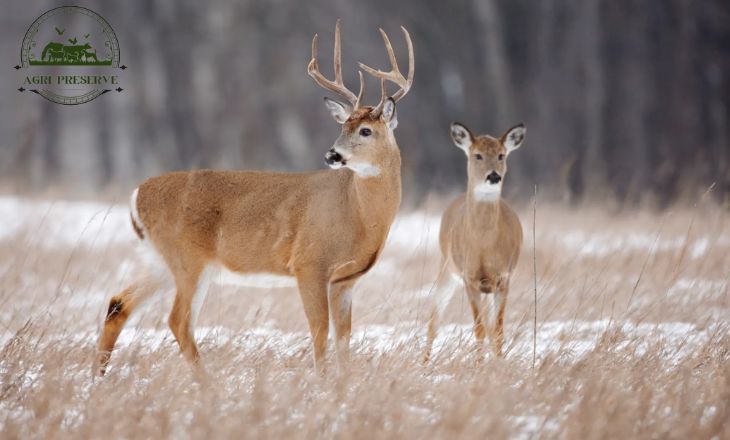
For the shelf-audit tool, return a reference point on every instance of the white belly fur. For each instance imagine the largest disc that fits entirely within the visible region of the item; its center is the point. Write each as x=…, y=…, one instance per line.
x=215, y=273
x=263, y=280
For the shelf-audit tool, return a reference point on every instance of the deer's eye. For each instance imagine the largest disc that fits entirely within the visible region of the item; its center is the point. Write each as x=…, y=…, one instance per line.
x=365, y=132
x=501, y=156
x=479, y=156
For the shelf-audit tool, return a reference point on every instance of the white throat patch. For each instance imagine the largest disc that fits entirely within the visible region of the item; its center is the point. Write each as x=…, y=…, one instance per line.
x=363, y=169
x=487, y=192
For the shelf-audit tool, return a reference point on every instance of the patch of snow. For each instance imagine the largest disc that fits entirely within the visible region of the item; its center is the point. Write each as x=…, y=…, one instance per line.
x=699, y=247
x=692, y=289
x=61, y=224
x=438, y=378
x=531, y=426
x=415, y=231
x=571, y=340
x=600, y=244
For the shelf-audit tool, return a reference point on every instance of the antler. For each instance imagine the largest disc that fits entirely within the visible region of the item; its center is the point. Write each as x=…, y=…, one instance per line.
x=337, y=85
x=394, y=75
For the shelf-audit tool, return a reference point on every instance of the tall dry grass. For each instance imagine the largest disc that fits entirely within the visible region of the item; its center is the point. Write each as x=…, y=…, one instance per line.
x=632, y=341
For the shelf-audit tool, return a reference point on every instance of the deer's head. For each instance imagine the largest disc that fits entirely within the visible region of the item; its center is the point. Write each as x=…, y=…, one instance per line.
x=367, y=131
x=487, y=158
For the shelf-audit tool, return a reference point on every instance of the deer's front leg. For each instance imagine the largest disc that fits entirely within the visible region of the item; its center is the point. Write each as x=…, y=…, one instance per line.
x=500, y=303
x=477, y=311
x=496, y=304
x=192, y=287
x=340, y=302
x=313, y=291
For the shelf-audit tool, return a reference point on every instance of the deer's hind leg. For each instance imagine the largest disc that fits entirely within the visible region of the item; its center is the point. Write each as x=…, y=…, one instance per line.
x=120, y=309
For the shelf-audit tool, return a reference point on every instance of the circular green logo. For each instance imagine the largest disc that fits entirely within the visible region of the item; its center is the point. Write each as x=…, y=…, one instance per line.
x=71, y=55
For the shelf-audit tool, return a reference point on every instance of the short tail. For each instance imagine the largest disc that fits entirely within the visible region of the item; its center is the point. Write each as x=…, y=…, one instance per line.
x=134, y=215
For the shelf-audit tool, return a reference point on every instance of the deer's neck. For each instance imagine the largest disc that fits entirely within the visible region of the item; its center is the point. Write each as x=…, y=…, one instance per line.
x=378, y=197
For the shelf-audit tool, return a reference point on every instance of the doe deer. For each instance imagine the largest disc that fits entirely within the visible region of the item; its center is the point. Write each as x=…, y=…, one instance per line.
x=325, y=228
x=480, y=236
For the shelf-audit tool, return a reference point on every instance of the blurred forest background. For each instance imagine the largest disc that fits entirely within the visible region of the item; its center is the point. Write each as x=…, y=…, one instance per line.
x=625, y=100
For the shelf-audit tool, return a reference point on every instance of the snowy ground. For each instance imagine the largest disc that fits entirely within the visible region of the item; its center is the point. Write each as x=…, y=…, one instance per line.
x=632, y=326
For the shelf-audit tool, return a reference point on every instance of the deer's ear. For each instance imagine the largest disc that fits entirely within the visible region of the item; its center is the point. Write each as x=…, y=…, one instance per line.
x=338, y=110
x=461, y=136
x=514, y=137
x=388, y=114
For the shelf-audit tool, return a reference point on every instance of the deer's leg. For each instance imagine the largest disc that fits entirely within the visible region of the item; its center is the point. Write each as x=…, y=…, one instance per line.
x=191, y=289
x=499, y=304
x=313, y=291
x=340, y=306
x=120, y=309
x=478, y=312
x=443, y=292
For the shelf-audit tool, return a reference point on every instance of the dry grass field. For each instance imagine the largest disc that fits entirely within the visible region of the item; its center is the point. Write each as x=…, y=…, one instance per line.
x=633, y=338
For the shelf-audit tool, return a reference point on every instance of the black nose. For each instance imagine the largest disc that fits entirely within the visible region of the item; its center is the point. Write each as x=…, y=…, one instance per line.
x=332, y=157
x=494, y=178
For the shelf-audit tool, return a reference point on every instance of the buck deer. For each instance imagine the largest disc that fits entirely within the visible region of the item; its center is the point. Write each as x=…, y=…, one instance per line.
x=324, y=228
x=480, y=236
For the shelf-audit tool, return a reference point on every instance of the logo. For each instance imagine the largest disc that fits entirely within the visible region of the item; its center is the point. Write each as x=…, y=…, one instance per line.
x=70, y=55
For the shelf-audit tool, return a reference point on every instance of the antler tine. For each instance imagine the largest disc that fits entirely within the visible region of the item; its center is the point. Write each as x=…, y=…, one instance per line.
x=383, y=96
x=411, y=61
x=337, y=85
x=337, y=57
x=389, y=49
x=394, y=75
x=362, y=89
